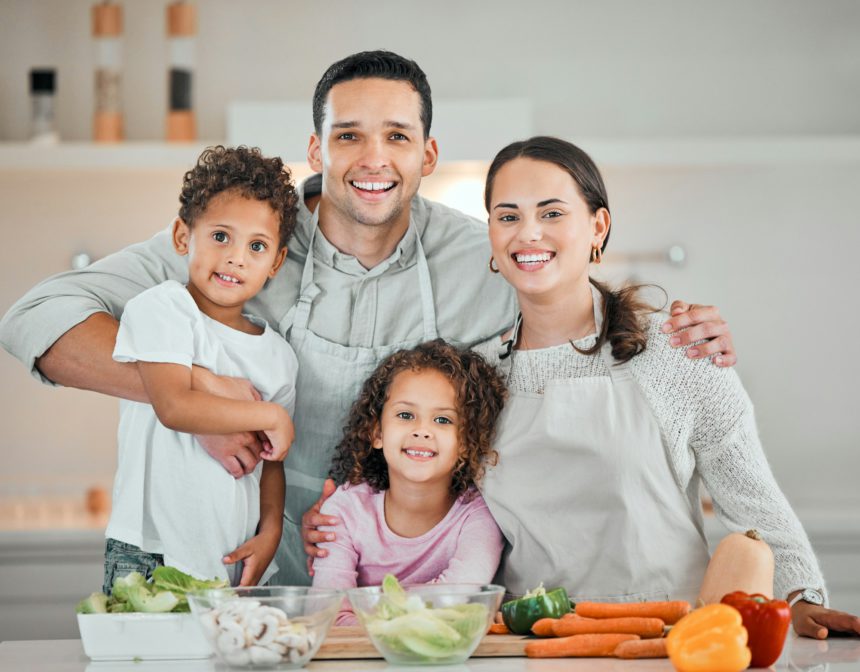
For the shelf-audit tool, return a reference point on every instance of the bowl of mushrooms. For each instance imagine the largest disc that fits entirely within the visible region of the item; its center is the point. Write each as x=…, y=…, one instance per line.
x=265, y=627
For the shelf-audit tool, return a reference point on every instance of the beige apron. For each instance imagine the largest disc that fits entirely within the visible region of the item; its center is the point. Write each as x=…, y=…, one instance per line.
x=586, y=497
x=329, y=379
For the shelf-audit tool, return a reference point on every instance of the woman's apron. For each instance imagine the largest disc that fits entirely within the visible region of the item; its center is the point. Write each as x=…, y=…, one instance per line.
x=585, y=495
x=329, y=380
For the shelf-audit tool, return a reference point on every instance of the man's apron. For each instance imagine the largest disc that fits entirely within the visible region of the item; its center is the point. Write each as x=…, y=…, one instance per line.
x=329, y=380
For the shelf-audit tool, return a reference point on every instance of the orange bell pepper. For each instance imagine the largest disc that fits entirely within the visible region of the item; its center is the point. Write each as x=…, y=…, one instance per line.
x=710, y=639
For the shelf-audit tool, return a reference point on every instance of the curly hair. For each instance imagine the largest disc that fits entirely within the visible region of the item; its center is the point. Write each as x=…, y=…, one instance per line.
x=481, y=394
x=246, y=171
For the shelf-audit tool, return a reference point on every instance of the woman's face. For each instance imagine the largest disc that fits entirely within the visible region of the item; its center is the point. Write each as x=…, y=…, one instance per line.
x=541, y=229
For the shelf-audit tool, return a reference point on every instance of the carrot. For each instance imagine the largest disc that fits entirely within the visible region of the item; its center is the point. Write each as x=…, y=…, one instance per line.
x=644, y=648
x=668, y=612
x=571, y=615
x=544, y=627
x=499, y=629
x=577, y=646
x=631, y=625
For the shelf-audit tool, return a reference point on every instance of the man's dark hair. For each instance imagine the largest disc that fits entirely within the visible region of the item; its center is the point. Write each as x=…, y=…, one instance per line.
x=374, y=64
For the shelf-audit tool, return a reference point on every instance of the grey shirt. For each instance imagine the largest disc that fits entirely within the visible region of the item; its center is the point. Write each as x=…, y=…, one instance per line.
x=357, y=306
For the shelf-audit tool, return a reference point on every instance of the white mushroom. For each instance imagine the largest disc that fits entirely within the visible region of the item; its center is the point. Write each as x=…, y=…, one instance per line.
x=230, y=638
x=242, y=657
x=260, y=655
x=209, y=621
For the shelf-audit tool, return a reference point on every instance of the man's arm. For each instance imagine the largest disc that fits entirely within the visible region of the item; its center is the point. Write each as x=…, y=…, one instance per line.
x=53, y=308
x=690, y=323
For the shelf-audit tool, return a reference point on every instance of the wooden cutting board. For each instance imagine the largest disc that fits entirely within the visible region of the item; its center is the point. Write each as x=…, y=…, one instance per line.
x=352, y=642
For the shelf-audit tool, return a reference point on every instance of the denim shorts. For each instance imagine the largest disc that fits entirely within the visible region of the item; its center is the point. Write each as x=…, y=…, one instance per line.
x=122, y=559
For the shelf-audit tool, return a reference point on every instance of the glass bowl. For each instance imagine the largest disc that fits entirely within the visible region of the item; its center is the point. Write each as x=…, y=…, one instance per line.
x=433, y=624
x=265, y=627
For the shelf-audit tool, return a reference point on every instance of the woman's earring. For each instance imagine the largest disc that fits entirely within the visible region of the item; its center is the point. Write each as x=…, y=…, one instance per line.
x=493, y=269
x=596, y=254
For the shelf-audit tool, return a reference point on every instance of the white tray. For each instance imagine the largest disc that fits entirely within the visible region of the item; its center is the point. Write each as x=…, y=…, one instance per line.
x=142, y=636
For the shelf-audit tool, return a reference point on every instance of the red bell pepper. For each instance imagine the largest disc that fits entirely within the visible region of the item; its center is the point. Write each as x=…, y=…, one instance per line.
x=766, y=622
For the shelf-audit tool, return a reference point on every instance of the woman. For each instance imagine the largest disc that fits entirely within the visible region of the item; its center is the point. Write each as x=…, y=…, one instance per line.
x=608, y=430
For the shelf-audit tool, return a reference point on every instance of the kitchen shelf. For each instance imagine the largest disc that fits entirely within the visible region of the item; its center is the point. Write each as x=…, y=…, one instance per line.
x=608, y=152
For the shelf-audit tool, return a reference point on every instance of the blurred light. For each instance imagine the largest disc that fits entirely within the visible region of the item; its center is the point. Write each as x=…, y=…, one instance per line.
x=81, y=260
x=467, y=195
x=677, y=255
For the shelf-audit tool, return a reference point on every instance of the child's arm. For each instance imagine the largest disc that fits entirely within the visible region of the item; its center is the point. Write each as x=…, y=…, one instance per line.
x=339, y=568
x=258, y=551
x=183, y=409
x=479, y=548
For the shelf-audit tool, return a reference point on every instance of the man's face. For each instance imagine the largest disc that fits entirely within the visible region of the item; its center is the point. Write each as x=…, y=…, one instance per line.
x=372, y=152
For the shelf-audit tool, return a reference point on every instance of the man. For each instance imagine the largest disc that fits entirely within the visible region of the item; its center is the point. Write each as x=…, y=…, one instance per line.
x=372, y=268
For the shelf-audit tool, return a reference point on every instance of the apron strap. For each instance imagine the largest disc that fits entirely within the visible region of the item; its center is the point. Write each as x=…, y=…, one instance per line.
x=428, y=305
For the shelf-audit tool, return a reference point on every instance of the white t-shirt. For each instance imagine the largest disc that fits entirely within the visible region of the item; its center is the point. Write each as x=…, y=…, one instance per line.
x=169, y=496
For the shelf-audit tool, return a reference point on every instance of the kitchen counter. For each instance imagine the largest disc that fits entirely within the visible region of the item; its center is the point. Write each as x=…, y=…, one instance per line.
x=66, y=655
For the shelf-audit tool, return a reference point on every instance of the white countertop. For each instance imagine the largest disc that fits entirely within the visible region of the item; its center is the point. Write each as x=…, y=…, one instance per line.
x=66, y=655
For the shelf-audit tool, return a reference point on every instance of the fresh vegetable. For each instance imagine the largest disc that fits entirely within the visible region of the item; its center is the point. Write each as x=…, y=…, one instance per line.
x=521, y=614
x=404, y=624
x=577, y=646
x=710, y=639
x=631, y=625
x=499, y=629
x=545, y=627
x=668, y=612
x=133, y=593
x=642, y=648
x=766, y=622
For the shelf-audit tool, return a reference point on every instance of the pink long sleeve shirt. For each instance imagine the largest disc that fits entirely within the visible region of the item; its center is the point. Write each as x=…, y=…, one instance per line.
x=464, y=547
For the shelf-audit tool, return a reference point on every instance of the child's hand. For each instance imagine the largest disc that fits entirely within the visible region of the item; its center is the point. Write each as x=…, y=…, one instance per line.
x=279, y=438
x=256, y=553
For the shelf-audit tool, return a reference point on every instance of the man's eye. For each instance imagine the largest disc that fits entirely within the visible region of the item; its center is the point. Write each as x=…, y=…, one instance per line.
x=442, y=420
x=405, y=415
x=257, y=246
x=398, y=136
x=346, y=136
x=220, y=236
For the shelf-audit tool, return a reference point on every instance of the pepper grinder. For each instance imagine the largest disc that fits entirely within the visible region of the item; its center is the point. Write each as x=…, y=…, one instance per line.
x=107, y=37
x=43, y=98
x=181, y=30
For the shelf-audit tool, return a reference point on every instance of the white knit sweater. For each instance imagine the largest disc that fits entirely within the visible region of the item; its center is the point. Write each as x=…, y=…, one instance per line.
x=707, y=423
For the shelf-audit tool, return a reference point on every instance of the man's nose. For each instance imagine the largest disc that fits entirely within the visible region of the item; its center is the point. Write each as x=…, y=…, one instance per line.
x=375, y=155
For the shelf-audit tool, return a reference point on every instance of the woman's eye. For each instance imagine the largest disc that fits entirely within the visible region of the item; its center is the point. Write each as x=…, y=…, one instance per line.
x=442, y=420
x=257, y=246
x=508, y=218
x=220, y=236
x=553, y=213
x=405, y=415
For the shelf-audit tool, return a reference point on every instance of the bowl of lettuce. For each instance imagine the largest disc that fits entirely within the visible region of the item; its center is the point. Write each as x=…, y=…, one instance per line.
x=431, y=624
x=144, y=620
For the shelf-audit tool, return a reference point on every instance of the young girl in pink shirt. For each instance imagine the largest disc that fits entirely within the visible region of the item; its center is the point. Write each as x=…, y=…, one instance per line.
x=417, y=440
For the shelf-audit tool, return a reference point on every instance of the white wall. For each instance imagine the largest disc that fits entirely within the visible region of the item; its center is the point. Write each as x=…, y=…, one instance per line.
x=773, y=246
x=615, y=67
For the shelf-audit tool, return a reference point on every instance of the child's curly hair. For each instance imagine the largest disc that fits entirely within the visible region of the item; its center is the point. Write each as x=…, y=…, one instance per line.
x=247, y=171
x=481, y=394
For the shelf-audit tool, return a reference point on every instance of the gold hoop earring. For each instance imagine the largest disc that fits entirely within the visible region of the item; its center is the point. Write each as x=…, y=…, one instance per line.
x=596, y=254
x=493, y=269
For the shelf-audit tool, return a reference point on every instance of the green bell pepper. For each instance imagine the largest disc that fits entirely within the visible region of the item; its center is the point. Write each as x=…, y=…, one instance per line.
x=521, y=614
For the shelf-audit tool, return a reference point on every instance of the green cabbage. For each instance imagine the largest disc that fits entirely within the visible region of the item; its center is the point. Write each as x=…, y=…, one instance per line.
x=167, y=592
x=407, y=627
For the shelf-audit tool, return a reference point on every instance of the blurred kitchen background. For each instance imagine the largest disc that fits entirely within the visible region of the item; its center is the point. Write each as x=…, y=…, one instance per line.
x=728, y=133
